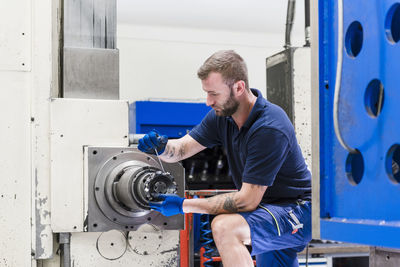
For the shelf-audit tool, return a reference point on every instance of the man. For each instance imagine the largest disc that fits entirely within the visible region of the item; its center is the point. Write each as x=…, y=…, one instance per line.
x=271, y=210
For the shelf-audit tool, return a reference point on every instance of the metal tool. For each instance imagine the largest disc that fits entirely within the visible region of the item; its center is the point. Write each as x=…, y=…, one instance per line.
x=162, y=167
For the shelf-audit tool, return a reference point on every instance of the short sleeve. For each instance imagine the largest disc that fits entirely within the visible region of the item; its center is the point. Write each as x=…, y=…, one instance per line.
x=267, y=150
x=206, y=133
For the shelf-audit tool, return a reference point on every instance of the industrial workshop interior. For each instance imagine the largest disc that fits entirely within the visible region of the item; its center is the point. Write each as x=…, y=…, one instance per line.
x=170, y=133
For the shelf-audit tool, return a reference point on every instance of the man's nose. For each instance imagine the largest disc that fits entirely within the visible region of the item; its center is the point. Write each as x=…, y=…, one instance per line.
x=209, y=101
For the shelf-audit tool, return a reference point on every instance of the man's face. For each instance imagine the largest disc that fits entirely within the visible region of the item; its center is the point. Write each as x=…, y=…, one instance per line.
x=219, y=96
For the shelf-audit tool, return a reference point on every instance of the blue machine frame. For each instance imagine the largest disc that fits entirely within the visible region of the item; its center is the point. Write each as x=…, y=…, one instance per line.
x=173, y=119
x=360, y=193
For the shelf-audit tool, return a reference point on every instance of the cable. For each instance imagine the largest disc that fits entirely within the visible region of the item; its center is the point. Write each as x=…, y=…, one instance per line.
x=289, y=22
x=339, y=80
x=206, y=238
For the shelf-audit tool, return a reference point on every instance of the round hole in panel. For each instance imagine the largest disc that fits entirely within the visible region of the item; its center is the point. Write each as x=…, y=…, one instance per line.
x=112, y=245
x=146, y=239
x=392, y=24
x=392, y=163
x=354, y=39
x=355, y=167
x=374, y=98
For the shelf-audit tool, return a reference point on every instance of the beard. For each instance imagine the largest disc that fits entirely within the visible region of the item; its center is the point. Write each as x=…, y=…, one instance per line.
x=228, y=108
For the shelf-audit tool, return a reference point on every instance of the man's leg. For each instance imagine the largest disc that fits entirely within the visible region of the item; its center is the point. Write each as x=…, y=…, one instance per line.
x=231, y=233
x=279, y=258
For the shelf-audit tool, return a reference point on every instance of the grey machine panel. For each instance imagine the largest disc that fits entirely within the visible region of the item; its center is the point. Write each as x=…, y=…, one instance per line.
x=90, y=60
x=120, y=181
x=384, y=257
x=90, y=24
x=91, y=73
x=280, y=81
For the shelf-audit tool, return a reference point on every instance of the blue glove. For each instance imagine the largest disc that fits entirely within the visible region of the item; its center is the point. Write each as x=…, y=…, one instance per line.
x=152, y=141
x=171, y=204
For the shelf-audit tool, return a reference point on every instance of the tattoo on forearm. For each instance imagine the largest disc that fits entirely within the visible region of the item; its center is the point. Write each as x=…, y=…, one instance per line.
x=171, y=152
x=230, y=205
x=217, y=204
x=223, y=203
x=175, y=150
x=182, y=151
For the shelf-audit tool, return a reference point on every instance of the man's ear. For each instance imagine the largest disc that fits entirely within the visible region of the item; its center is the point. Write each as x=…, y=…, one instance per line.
x=239, y=87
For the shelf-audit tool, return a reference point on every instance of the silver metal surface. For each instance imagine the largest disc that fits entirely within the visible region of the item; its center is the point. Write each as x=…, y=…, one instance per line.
x=384, y=257
x=65, y=241
x=134, y=138
x=123, y=189
x=110, y=165
x=144, y=247
x=64, y=238
x=91, y=73
x=289, y=22
x=147, y=240
x=209, y=192
x=104, y=186
x=316, y=233
x=155, y=184
x=90, y=24
x=335, y=248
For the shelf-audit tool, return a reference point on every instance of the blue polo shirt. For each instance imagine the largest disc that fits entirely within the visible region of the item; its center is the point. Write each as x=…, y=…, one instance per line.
x=263, y=152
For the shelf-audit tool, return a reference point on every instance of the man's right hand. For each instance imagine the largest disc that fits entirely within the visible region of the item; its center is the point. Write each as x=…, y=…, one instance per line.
x=152, y=142
x=169, y=205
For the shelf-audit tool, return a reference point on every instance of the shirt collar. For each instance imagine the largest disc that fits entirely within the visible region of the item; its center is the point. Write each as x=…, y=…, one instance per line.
x=258, y=107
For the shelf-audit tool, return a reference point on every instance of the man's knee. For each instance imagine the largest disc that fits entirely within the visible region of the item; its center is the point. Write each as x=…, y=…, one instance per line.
x=219, y=226
x=230, y=227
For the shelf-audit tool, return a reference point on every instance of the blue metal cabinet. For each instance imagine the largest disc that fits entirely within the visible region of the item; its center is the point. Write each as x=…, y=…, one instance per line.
x=173, y=119
x=360, y=193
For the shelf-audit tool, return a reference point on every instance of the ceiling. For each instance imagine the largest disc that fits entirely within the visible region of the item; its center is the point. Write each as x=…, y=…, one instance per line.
x=233, y=15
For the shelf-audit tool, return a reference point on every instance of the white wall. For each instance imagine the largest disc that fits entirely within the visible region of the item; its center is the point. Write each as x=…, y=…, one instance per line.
x=162, y=61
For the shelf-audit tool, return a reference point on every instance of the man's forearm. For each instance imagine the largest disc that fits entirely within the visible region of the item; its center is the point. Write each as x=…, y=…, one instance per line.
x=180, y=149
x=224, y=203
x=174, y=151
